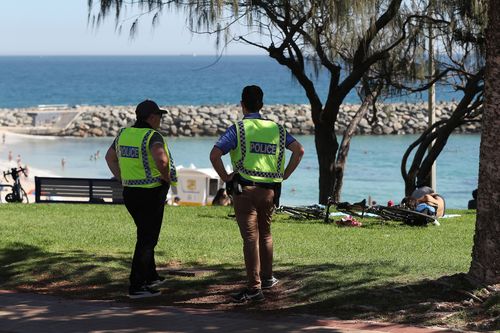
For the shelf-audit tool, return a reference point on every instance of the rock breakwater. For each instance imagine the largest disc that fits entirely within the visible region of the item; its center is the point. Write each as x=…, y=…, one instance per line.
x=400, y=118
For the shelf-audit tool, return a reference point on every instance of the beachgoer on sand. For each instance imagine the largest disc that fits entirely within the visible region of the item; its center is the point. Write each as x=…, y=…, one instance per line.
x=140, y=158
x=257, y=150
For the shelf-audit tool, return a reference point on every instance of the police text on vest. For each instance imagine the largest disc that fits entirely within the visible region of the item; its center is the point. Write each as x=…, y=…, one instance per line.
x=263, y=148
x=130, y=152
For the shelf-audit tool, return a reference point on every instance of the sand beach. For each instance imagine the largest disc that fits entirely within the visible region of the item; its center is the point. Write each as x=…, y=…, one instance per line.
x=8, y=142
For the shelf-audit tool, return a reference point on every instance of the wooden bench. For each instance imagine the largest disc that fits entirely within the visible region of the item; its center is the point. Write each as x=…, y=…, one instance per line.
x=78, y=190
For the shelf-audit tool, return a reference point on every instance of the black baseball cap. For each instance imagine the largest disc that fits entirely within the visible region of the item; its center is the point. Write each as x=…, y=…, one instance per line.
x=146, y=108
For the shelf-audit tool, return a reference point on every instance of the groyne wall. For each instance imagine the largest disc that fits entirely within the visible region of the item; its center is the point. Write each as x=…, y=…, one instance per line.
x=398, y=118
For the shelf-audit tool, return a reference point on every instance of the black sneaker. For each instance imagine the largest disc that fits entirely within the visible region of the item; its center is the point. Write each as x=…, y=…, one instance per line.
x=248, y=295
x=269, y=283
x=156, y=283
x=143, y=292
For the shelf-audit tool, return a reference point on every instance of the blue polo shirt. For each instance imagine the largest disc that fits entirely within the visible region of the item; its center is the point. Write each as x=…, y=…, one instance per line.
x=229, y=141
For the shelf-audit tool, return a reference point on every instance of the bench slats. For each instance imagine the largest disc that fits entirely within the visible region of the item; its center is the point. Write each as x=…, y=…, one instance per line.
x=78, y=190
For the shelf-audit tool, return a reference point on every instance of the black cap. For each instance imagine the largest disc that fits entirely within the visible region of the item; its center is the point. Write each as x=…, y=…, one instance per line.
x=146, y=108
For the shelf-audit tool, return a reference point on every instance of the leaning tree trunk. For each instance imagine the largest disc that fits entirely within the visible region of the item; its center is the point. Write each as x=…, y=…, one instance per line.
x=485, y=266
x=326, y=149
x=437, y=136
x=346, y=144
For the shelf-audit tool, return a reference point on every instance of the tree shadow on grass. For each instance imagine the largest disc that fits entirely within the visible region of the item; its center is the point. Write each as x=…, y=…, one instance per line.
x=347, y=291
x=77, y=274
x=73, y=273
x=83, y=275
x=447, y=301
x=299, y=285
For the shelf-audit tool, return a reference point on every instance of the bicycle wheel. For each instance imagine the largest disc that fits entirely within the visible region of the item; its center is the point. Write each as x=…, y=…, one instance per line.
x=418, y=219
x=386, y=214
x=24, y=196
x=406, y=216
x=285, y=210
x=314, y=211
x=303, y=213
x=307, y=213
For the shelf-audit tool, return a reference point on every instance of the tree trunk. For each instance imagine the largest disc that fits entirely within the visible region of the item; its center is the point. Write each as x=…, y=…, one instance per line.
x=437, y=136
x=485, y=266
x=326, y=149
x=345, y=145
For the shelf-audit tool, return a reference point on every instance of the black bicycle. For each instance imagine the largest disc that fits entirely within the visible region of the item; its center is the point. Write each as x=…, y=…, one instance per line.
x=17, y=193
x=399, y=213
x=358, y=209
x=312, y=212
x=320, y=212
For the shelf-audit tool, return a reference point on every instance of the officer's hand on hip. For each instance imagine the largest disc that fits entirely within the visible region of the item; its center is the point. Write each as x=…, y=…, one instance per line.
x=229, y=177
x=166, y=178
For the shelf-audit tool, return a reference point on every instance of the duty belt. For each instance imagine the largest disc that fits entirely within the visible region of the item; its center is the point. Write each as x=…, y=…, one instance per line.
x=245, y=182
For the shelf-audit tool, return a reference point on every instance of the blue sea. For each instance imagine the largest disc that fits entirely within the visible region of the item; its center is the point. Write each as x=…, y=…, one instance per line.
x=169, y=80
x=373, y=166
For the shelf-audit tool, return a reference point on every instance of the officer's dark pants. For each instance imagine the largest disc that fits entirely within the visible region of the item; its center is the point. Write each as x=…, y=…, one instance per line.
x=146, y=206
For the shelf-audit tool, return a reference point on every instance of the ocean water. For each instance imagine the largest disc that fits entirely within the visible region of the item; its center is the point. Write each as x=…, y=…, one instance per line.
x=169, y=80
x=373, y=166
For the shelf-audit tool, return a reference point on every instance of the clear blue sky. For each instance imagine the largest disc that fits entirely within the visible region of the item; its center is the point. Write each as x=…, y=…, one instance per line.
x=59, y=27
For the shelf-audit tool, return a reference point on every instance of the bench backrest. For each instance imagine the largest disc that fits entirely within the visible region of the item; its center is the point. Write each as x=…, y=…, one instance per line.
x=78, y=190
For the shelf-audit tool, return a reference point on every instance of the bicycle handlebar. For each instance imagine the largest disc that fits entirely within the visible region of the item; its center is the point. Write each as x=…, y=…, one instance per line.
x=15, y=171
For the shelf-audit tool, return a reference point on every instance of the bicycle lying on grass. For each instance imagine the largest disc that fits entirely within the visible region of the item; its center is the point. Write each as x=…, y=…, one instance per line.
x=358, y=209
x=17, y=194
x=313, y=212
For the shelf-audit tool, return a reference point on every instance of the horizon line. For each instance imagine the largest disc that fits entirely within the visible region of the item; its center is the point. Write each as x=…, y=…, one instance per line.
x=194, y=55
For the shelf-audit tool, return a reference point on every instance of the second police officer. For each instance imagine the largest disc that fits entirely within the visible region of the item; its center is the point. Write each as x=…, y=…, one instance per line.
x=257, y=149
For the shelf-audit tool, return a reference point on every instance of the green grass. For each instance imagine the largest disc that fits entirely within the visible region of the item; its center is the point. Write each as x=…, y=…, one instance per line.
x=85, y=251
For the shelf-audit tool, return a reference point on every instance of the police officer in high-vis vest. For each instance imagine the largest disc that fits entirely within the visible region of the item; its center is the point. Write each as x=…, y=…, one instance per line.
x=257, y=149
x=139, y=157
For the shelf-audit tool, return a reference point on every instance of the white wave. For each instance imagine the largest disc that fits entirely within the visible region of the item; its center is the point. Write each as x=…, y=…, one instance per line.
x=11, y=137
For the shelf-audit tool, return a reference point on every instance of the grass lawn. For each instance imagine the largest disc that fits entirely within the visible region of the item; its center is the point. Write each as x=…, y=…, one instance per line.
x=85, y=251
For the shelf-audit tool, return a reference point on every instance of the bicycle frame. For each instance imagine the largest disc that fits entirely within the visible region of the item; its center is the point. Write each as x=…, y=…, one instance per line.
x=313, y=212
x=17, y=193
x=346, y=207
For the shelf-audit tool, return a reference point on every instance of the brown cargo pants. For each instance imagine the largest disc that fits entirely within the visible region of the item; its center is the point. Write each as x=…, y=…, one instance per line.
x=254, y=208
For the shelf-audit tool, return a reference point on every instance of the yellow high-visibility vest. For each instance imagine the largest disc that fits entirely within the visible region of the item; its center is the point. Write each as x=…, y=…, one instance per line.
x=137, y=166
x=260, y=153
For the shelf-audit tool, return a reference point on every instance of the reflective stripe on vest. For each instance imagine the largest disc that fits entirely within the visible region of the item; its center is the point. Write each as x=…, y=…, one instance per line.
x=239, y=165
x=171, y=166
